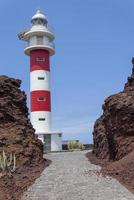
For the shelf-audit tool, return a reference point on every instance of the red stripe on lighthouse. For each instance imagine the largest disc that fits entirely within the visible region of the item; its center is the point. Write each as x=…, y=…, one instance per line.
x=39, y=60
x=40, y=101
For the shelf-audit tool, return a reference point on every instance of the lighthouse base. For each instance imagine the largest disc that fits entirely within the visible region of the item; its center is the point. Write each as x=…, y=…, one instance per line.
x=51, y=141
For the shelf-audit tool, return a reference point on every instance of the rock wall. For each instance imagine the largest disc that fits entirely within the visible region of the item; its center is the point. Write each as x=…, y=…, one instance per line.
x=114, y=131
x=16, y=132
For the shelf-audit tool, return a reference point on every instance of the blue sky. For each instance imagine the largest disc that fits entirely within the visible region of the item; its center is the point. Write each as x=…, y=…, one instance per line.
x=94, y=46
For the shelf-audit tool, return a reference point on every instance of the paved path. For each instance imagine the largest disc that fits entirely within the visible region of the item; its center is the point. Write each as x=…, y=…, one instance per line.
x=72, y=177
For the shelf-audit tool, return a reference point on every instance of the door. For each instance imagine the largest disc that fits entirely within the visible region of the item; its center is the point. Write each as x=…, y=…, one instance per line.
x=47, y=142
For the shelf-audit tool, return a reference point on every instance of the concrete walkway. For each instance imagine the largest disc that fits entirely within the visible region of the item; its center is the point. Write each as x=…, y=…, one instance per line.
x=72, y=177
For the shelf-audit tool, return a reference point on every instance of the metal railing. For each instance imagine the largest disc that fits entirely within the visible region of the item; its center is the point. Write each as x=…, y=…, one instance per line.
x=50, y=29
x=38, y=43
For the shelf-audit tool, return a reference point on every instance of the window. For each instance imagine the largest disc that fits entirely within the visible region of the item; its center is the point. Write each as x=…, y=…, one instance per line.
x=40, y=59
x=41, y=78
x=39, y=40
x=41, y=99
x=38, y=21
x=42, y=119
x=60, y=135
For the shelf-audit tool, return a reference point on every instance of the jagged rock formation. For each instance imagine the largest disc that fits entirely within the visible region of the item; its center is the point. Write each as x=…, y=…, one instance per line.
x=17, y=136
x=16, y=132
x=114, y=131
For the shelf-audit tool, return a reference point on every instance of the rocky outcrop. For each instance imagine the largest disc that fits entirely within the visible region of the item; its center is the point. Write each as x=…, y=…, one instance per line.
x=114, y=131
x=16, y=132
x=17, y=136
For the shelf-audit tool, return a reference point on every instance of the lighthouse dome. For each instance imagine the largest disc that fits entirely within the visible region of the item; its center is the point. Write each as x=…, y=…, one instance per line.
x=39, y=17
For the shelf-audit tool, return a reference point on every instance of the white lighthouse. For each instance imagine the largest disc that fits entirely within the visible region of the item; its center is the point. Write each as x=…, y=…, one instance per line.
x=39, y=46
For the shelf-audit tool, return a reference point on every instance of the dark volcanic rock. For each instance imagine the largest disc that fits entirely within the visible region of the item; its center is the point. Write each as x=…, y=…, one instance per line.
x=16, y=132
x=17, y=136
x=114, y=130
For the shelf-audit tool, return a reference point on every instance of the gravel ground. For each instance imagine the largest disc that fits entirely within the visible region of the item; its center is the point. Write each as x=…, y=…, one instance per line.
x=72, y=177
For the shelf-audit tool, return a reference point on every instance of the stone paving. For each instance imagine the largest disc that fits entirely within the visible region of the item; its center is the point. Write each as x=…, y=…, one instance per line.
x=72, y=177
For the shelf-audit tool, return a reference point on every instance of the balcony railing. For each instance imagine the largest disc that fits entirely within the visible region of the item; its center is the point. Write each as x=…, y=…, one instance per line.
x=50, y=29
x=40, y=43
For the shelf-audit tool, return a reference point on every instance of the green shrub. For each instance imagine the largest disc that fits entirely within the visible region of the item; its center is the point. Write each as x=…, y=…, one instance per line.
x=75, y=145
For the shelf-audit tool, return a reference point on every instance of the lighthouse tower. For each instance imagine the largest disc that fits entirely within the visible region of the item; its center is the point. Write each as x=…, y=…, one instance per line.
x=39, y=47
